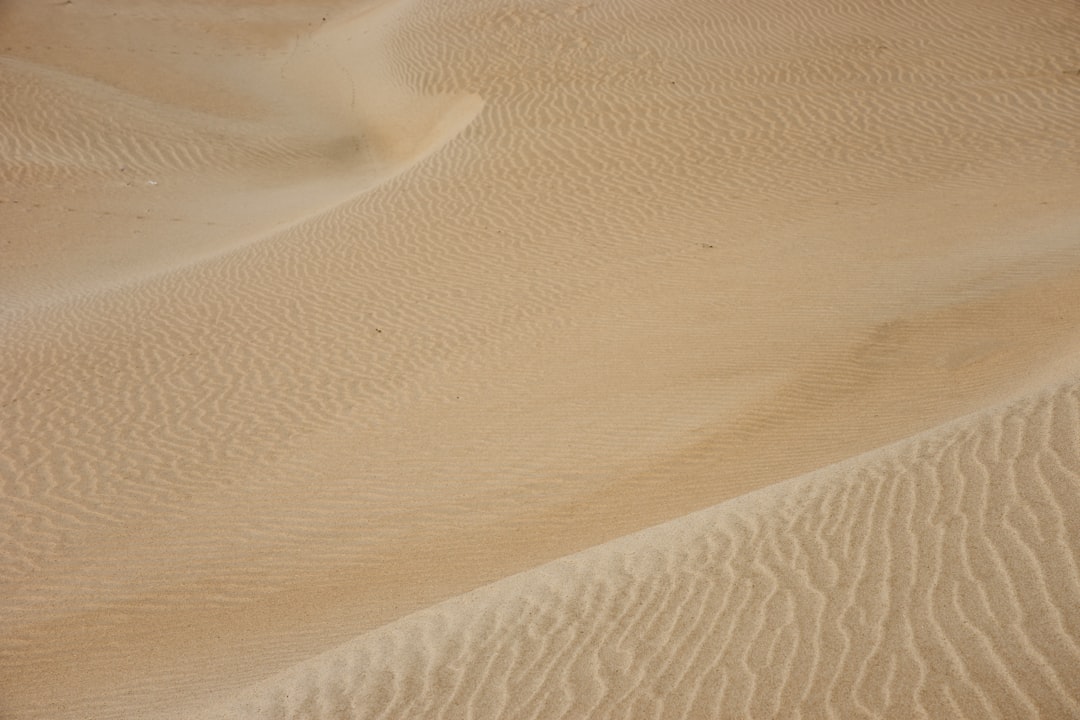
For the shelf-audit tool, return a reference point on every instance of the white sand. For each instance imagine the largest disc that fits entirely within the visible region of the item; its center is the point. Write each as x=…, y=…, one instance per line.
x=316, y=315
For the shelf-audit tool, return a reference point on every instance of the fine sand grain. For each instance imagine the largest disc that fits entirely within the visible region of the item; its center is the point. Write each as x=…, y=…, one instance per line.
x=339, y=321
x=932, y=578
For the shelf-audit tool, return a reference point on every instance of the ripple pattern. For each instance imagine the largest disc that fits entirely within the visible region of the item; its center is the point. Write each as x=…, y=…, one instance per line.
x=935, y=578
x=382, y=355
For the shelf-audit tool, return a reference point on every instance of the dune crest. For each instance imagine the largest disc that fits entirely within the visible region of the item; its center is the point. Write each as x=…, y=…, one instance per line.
x=330, y=125
x=938, y=577
x=317, y=313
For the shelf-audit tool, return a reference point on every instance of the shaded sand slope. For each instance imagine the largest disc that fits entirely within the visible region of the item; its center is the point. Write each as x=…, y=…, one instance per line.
x=142, y=136
x=939, y=577
x=680, y=253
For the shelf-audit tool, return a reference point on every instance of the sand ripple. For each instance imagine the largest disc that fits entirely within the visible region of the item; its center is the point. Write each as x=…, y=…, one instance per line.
x=315, y=315
x=936, y=578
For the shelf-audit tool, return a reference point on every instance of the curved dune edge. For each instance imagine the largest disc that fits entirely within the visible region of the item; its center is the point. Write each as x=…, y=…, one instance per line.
x=168, y=186
x=685, y=251
x=938, y=577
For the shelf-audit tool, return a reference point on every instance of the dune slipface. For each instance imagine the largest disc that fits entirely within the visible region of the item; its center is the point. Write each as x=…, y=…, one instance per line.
x=314, y=315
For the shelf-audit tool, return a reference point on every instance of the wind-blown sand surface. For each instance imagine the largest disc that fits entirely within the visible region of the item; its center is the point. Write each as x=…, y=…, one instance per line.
x=343, y=322
x=933, y=578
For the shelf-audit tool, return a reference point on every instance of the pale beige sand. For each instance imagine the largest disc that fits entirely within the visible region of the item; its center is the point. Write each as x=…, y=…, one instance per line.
x=309, y=324
x=939, y=577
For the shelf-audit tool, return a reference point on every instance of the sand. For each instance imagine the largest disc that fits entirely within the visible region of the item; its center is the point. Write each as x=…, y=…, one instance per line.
x=539, y=359
x=932, y=578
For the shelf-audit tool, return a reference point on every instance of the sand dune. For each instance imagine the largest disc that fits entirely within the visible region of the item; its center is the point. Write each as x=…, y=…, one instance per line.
x=86, y=157
x=317, y=314
x=938, y=577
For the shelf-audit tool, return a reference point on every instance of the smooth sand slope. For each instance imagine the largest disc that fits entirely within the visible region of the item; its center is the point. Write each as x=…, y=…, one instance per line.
x=316, y=314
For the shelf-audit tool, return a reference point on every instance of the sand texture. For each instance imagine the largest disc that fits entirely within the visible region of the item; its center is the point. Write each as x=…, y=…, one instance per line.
x=349, y=350
x=933, y=578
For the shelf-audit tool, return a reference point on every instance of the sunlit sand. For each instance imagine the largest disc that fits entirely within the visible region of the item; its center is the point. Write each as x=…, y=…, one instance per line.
x=539, y=359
